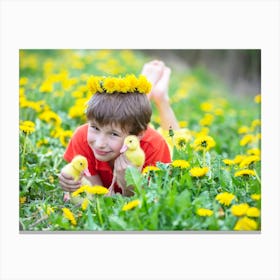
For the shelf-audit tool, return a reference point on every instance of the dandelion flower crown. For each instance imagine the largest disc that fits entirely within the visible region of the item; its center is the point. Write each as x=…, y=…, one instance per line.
x=128, y=84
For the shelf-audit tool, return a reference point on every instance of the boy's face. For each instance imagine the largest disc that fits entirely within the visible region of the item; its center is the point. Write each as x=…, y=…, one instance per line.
x=105, y=141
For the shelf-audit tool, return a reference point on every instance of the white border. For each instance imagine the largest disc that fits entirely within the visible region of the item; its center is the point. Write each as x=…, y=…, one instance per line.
x=140, y=24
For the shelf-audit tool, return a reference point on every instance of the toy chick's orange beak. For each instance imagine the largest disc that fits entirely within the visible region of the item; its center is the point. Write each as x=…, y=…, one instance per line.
x=123, y=149
x=87, y=173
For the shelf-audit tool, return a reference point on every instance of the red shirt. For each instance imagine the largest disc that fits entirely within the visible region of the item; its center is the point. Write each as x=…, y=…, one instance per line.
x=152, y=143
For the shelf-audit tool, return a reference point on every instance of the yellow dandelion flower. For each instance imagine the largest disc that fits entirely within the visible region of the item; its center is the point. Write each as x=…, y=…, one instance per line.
x=93, y=84
x=203, y=132
x=204, y=212
x=110, y=84
x=46, y=86
x=27, y=126
x=244, y=172
x=253, y=212
x=132, y=82
x=49, y=210
x=42, y=142
x=254, y=152
x=180, y=163
x=225, y=198
x=183, y=124
x=149, y=168
x=199, y=171
x=85, y=204
x=181, y=137
x=69, y=215
x=95, y=190
x=204, y=143
x=255, y=123
x=76, y=111
x=130, y=205
x=78, y=191
x=256, y=196
x=50, y=117
x=238, y=158
x=206, y=106
x=247, y=139
x=247, y=161
x=77, y=94
x=23, y=81
x=258, y=98
x=144, y=86
x=243, y=129
x=219, y=112
x=123, y=86
x=22, y=199
x=245, y=223
x=228, y=161
x=65, y=136
x=239, y=209
x=56, y=132
x=51, y=179
x=206, y=120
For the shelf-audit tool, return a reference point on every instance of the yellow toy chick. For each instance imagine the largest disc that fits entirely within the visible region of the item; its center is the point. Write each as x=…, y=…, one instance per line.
x=133, y=152
x=77, y=168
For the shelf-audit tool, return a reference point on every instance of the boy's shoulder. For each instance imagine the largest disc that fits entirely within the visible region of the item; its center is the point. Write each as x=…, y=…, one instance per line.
x=80, y=133
x=152, y=137
x=82, y=129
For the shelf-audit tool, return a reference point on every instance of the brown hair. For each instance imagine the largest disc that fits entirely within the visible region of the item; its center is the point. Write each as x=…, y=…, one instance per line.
x=132, y=111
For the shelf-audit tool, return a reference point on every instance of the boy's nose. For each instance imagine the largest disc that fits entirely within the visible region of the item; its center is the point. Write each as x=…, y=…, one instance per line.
x=100, y=142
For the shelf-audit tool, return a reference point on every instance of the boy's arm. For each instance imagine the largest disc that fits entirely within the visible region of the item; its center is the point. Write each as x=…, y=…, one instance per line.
x=167, y=117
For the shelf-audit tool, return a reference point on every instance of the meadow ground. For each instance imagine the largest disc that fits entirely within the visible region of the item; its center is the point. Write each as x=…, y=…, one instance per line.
x=212, y=184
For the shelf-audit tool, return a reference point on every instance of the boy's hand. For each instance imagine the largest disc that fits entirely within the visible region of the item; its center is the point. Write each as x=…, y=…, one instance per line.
x=67, y=182
x=121, y=164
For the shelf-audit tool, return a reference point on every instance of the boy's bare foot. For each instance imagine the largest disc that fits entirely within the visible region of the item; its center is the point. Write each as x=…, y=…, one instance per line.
x=159, y=92
x=153, y=71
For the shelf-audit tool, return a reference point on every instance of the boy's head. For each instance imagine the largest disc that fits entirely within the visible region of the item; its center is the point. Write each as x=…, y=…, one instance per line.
x=130, y=110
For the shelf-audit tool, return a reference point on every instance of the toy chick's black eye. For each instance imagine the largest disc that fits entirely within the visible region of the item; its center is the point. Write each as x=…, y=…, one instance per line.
x=130, y=141
x=81, y=163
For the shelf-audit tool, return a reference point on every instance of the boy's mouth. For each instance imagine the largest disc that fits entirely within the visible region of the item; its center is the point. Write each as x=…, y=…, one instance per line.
x=100, y=153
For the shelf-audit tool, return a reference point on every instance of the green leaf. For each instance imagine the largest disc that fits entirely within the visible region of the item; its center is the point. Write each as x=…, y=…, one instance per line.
x=117, y=223
x=133, y=177
x=90, y=223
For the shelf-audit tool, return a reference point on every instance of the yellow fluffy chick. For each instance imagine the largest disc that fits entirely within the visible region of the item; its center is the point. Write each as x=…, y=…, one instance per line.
x=77, y=168
x=133, y=152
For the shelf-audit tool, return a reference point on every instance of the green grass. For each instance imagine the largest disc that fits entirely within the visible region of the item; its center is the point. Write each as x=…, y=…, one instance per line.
x=168, y=198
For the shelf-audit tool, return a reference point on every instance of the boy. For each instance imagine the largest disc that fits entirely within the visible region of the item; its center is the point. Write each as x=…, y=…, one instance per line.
x=113, y=116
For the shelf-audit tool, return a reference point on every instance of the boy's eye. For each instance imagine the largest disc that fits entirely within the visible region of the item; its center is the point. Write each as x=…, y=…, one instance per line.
x=94, y=127
x=115, y=134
